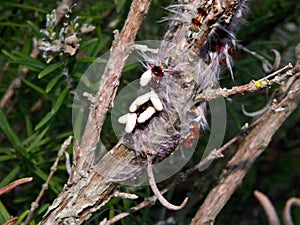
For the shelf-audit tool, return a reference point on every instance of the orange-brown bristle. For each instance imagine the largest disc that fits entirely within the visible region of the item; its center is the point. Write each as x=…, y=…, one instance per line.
x=201, y=12
x=196, y=22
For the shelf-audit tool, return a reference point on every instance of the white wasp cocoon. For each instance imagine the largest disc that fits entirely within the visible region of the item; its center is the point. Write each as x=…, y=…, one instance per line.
x=146, y=78
x=156, y=101
x=139, y=101
x=123, y=119
x=131, y=122
x=144, y=116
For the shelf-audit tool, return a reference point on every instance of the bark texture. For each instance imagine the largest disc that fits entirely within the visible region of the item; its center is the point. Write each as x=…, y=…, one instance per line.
x=86, y=191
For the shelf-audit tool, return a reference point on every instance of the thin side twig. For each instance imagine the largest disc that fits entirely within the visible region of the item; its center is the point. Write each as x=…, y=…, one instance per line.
x=53, y=169
x=268, y=208
x=267, y=67
x=287, y=217
x=217, y=153
x=156, y=191
x=11, y=221
x=146, y=203
x=252, y=86
x=14, y=184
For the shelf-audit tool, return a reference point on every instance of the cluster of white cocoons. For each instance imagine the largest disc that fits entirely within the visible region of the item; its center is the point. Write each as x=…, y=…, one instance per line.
x=132, y=118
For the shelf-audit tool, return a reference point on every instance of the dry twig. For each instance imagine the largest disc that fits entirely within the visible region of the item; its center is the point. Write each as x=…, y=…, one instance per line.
x=264, y=82
x=60, y=153
x=158, y=194
x=14, y=184
x=268, y=208
x=216, y=153
x=287, y=217
x=267, y=67
x=11, y=221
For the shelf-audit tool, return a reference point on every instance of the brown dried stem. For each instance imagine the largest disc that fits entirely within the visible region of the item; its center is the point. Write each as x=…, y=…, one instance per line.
x=264, y=82
x=11, y=221
x=287, y=217
x=14, y=184
x=158, y=194
x=268, y=208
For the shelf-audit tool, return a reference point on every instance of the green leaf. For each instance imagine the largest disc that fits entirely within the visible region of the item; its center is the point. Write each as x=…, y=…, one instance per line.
x=9, y=55
x=36, y=29
x=49, y=69
x=36, y=140
x=53, y=111
x=22, y=217
x=87, y=60
x=28, y=123
x=25, y=6
x=6, y=151
x=13, y=174
x=60, y=100
x=7, y=157
x=14, y=25
x=8, y=131
x=88, y=43
x=44, y=120
x=33, y=86
x=78, y=124
x=27, y=46
x=53, y=82
x=120, y=5
x=100, y=46
x=21, y=55
x=22, y=59
x=131, y=67
x=4, y=215
x=30, y=64
x=42, y=210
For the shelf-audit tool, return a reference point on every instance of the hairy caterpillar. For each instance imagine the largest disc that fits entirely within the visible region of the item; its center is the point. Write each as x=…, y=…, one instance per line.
x=200, y=39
